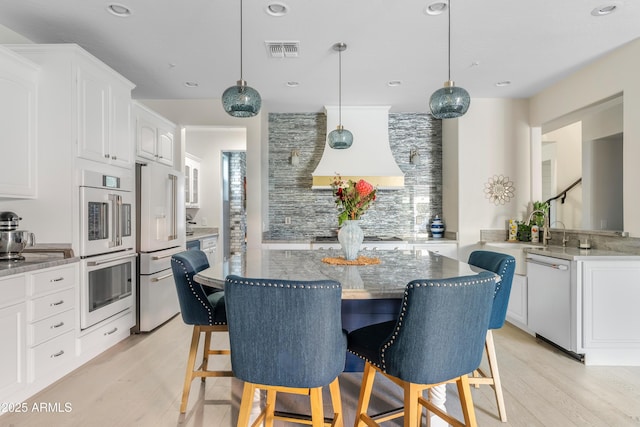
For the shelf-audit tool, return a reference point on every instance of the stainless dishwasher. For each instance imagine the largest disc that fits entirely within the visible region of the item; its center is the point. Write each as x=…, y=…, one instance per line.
x=551, y=301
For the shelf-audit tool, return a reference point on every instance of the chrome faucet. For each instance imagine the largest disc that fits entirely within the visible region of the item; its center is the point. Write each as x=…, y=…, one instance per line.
x=546, y=236
x=564, y=232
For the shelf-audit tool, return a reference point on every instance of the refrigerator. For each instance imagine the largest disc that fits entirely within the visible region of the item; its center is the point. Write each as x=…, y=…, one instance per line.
x=161, y=232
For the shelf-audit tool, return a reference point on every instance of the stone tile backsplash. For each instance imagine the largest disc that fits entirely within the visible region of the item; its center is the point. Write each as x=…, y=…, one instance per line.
x=297, y=212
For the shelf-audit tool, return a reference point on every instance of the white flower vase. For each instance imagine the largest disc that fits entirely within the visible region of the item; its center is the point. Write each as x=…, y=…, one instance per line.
x=350, y=237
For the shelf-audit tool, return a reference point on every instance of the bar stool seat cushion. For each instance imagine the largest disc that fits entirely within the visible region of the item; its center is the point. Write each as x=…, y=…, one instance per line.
x=216, y=300
x=366, y=341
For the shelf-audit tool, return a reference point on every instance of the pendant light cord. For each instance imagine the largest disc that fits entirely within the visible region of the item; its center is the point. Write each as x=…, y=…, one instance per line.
x=449, y=36
x=241, y=77
x=340, y=87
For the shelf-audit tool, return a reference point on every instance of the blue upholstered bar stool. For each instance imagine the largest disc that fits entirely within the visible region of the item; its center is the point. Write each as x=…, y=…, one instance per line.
x=504, y=265
x=286, y=336
x=438, y=338
x=202, y=307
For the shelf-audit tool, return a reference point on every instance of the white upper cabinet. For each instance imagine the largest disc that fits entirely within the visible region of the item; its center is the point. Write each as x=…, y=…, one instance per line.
x=192, y=181
x=18, y=99
x=104, y=119
x=154, y=136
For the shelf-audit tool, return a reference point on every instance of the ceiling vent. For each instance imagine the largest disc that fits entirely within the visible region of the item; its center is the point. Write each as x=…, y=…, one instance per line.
x=282, y=49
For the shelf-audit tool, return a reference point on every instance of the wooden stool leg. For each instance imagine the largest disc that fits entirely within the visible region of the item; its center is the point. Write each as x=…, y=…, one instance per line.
x=336, y=402
x=493, y=368
x=245, y=404
x=205, y=352
x=411, y=407
x=317, y=410
x=466, y=401
x=270, y=408
x=368, y=376
x=191, y=361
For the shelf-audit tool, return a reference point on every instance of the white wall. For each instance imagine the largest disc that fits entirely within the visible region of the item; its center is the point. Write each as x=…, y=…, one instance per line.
x=493, y=139
x=207, y=143
x=609, y=76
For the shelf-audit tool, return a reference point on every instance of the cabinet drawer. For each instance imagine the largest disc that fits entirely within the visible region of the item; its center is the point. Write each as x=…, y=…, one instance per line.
x=51, y=304
x=50, y=356
x=12, y=290
x=105, y=336
x=50, y=327
x=53, y=280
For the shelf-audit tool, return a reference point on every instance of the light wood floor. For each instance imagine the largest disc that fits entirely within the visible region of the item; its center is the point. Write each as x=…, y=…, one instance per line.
x=139, y=382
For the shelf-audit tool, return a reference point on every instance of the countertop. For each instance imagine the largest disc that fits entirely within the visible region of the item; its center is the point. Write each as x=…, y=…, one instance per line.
x=39, y=257
x=412, y=240
x=200, y=233
x=385, y=280
x=577, y=254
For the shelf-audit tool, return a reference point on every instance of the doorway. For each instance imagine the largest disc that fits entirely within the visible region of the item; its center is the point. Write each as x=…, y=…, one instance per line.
x=234, y=202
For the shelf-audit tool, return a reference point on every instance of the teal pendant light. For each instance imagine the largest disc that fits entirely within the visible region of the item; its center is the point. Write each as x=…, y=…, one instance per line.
x=340, y=138
x=241, y=100
x=450, y=101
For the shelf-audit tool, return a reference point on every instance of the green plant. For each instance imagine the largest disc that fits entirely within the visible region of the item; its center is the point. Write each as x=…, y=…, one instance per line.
x=352, y=198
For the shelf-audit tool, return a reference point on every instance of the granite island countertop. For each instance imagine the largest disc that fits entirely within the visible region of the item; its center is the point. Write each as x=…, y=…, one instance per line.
x=385, y=280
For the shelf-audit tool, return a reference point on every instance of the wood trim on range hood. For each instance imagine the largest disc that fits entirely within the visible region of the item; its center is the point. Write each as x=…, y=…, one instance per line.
x=369, y=158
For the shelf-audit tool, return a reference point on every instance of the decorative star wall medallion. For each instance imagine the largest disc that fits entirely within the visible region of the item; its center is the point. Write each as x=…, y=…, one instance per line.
x=499, y=190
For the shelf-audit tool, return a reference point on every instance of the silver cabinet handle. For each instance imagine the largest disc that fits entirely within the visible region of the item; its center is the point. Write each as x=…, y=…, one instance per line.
x=546, y=264
x=57, y=279
x=58, y=354
x=157, y=279
x=174, y=206
x=53, y=304
x=94, y=263
x=57, y=325
x=113, y=331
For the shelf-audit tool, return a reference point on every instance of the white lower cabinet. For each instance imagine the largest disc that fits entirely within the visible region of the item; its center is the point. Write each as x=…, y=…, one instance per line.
x=517, y=308
x=12, y=350
x=104, y=336
x=610, y=293
x=445, y=249
x=51, y=323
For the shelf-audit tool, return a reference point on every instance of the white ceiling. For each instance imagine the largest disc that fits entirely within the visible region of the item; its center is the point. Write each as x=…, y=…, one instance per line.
x=165, y=43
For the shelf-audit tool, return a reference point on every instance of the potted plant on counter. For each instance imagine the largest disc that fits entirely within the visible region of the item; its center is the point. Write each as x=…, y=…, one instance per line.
x=352, y=200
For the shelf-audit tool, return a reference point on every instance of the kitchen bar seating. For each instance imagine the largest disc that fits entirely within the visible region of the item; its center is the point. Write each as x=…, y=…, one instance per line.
x=202, y=307
x=438, y=338
x=286, y=336
x=505, y=266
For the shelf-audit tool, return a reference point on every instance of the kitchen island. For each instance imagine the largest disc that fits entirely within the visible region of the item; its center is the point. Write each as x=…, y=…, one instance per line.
x=370, y=293
x=378, y=281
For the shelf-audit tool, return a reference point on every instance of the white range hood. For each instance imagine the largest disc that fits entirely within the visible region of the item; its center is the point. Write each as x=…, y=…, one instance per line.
x=369, y=157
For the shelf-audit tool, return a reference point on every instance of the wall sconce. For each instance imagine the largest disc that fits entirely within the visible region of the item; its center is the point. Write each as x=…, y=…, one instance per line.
x=295, y=158
x=414, y=156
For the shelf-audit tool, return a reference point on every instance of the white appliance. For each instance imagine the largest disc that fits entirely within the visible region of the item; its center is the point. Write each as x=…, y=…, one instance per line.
x=161, y=224
x=106, y=202
x=550, y=308
x=108, y=264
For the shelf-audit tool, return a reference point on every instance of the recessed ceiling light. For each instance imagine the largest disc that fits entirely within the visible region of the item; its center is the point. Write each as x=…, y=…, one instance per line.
x=277, y=9
x=191, y=84
x=503, y=83
x=293, y=84
x=394, y=83
x=118, y=9
x=604, y=10
x=436, y=8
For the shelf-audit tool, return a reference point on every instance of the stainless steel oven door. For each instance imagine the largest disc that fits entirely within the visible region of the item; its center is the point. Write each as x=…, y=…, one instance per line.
x=108, y=286
x=106, y=221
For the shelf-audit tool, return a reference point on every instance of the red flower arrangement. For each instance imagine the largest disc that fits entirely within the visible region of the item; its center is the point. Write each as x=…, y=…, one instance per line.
x=352, y=198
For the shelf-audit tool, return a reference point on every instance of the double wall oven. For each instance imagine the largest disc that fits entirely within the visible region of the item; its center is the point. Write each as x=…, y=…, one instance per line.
x=107, y=241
